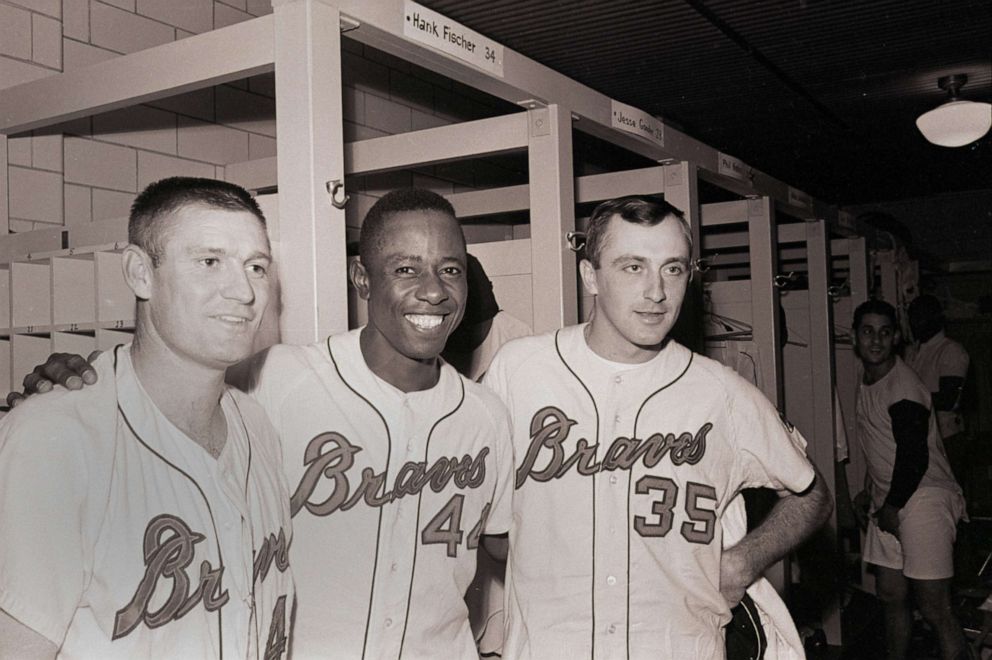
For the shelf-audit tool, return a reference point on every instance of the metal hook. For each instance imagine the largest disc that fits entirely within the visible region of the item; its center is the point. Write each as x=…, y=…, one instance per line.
x=783, y=280
x=335, y=186
x=576, y=240
x=701, y=265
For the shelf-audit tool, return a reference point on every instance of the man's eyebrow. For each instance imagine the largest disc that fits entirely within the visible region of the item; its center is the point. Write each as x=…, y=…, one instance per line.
x=400, y=256
x=627, y=257
x=220, y=252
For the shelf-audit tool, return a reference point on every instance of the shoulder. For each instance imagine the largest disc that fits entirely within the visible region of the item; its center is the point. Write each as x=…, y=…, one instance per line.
x=64, y=413
x=278, y=367
x=62, y=441
x=954, y=352
x=510, y=326
x=481, y=397
x=717, y=375
x=524, y=350
x=904, y=383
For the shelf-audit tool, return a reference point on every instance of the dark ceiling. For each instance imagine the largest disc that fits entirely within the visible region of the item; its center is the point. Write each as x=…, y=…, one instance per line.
x=821, y=95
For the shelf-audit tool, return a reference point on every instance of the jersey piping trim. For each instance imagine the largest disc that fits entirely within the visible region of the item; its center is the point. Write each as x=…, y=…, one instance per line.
x=389, y=455
x=637, y=418
x=595, y=408
x=252, y=619
x=420, y=497
x=210, y=512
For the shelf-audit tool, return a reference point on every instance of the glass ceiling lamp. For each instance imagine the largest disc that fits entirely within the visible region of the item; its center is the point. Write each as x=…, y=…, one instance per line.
x=957, y=122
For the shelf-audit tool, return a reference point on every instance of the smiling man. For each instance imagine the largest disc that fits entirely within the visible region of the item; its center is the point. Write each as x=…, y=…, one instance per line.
x=397, y=464
x=148, y=516
x=915, y=502
x=629, y=448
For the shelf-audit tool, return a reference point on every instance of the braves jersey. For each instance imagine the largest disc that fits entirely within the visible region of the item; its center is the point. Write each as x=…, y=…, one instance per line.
x=878, y=440
x=390, y=494
x=622, y=476
x=120, y=537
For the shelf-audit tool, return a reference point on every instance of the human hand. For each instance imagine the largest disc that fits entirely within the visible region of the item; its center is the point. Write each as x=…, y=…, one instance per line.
x=736, y=575
x=887, y=519
x=66, y=369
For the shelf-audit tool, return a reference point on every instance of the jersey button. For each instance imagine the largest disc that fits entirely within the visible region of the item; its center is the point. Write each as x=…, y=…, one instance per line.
x=616, y=418
x=613, y=479
x=611, y=581
x=393, y=568
x=389, y=623
x=612, y=629
x=618, y=380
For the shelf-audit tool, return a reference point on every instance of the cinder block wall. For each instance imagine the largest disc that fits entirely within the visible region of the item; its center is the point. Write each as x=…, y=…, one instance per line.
x=90, y=169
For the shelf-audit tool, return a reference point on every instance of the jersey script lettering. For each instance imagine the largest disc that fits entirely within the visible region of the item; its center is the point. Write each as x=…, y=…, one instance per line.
x=169, y=548
x=550, y=426
x=331, y=456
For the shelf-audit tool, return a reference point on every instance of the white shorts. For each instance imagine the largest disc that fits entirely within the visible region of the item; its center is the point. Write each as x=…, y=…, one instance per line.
x=927, y=527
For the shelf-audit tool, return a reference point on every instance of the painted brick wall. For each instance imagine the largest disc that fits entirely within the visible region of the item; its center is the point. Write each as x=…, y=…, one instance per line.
x=90, y=169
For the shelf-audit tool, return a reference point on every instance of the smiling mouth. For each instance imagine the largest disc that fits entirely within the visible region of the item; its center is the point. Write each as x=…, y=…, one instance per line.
x=233, y=320
x=425, y=322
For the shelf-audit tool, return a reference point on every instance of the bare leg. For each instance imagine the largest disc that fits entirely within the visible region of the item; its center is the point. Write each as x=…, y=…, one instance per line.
x=893, y=590
x=933, y=598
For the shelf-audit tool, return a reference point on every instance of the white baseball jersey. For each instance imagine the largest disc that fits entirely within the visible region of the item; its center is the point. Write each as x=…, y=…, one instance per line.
x=390, y=493
x=878, y=441
x=120, y=537
x=941, y=356
x=622, y=476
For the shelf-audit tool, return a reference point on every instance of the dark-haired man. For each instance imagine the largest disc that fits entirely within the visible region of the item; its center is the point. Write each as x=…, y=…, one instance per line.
x=148, y=516
x=629, y=448
x=915, y=501
x=397, y=465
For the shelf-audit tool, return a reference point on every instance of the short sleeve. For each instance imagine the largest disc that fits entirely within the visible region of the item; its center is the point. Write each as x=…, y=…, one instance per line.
x=953, y=361
x=501, y=511
x=771, y=450
x=44, y=537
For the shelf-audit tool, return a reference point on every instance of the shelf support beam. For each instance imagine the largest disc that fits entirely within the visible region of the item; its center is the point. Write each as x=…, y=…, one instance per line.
x=310, y=152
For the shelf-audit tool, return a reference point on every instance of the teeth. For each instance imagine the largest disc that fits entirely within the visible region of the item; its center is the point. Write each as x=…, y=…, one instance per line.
x=232, y=319
x=425, y=321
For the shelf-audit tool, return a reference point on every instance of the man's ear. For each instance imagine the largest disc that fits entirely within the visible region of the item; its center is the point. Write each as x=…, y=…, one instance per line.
x=138, y=271
x=359, y=277
x=588, y=273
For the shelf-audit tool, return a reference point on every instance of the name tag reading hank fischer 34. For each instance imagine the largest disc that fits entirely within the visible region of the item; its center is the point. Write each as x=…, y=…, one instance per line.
x=430, y=28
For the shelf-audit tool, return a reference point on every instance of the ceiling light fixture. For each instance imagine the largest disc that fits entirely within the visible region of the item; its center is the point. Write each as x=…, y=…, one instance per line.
x=957, y=122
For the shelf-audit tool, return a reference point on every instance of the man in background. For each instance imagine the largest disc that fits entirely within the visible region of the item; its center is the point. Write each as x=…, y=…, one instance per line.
x=915, y=502
x=942, y=365
x=470, y=349
x=484, y=328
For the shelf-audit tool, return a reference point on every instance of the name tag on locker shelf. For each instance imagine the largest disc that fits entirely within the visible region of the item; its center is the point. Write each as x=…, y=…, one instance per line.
x=633, y=120
x=430, y=28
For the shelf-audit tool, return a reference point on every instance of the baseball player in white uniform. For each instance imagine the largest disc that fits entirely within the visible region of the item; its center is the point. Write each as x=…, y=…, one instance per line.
x=147, y=516
x=397, y=465
x=915, y=501
x=628, y=448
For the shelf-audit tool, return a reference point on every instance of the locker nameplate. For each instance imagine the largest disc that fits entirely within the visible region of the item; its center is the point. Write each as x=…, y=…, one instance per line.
x=428, y=27
x=633, y=120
